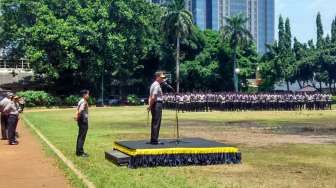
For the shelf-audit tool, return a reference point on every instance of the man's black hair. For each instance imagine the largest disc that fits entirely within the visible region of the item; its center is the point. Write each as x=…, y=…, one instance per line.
x=84, y=92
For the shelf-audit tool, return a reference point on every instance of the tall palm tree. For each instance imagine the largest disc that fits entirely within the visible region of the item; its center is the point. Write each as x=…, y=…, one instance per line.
x=235, y=31
x=177, y=23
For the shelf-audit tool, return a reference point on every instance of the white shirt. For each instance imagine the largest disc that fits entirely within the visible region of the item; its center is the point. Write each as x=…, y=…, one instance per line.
x=156, y=91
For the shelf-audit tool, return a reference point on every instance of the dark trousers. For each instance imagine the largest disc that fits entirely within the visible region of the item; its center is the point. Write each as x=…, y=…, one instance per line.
x=82, y=130
x=4, y=126
x=156, y=121
x=12, y=123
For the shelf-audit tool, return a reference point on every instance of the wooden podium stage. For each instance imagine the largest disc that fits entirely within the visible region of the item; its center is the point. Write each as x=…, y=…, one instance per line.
x=189, y=151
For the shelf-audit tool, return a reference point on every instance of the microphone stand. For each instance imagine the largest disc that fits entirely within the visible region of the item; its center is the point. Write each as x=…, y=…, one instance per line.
x=177, y=140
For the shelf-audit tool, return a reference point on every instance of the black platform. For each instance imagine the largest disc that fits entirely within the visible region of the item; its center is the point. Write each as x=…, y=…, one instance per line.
x=170, y=143
x=191, y=151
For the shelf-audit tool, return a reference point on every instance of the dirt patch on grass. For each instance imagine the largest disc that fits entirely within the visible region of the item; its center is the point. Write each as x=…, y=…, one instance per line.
x=229, y=124
x=255, y=134
x=306, y=130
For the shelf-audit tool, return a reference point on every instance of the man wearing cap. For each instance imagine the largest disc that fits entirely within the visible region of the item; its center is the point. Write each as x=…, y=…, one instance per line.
x=12, y=109
x=4, y=116
x=155, y=106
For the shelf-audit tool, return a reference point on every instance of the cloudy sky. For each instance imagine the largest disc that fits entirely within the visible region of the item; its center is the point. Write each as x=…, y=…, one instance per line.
x=302, y=15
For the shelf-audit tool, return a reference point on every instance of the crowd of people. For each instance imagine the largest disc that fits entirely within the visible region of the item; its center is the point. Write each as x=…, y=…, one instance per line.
x=10, y=107
x=200, y=102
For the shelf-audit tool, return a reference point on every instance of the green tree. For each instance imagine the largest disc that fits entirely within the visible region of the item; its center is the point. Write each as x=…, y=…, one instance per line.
x=206, y=69
x=319, y=31
x=320, y=72
x=235, y=30
x=278, y=63
x=177, y=23
x=288, y=35
x=333, y=31
x=288, y=60
x=281, y=34
x=73, y=43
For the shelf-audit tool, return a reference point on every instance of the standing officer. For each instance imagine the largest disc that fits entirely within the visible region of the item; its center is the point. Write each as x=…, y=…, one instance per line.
x=155, y=106
x=12, y=110
x=82, y=115
x=4, y=124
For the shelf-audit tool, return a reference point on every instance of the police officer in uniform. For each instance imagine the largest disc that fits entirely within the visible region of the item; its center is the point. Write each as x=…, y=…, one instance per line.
x=12, y=110
x=82, y=117
x=155, y=106
x=4, y=117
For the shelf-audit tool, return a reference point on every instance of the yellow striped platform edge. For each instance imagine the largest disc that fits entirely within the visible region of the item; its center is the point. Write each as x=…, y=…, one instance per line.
x=163, y=151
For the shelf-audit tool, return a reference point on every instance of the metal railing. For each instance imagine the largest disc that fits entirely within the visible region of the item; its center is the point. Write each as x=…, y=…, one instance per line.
x=15, y=64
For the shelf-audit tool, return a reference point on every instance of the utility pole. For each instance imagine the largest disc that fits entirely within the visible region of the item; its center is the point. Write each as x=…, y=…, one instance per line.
x=102, y=86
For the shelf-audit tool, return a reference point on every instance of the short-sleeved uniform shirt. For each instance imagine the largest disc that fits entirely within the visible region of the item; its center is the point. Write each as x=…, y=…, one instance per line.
x=12, y=108
x=83, y=109
x=3, y=103
x=155, y=90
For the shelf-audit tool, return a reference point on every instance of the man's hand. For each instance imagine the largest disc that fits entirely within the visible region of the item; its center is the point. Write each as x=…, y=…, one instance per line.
x=76, y=118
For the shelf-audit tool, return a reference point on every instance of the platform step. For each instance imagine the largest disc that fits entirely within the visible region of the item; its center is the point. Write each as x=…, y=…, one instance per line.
x=117, y=157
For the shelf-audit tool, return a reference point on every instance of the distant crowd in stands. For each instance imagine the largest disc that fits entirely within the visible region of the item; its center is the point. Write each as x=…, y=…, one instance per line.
x=204, y=102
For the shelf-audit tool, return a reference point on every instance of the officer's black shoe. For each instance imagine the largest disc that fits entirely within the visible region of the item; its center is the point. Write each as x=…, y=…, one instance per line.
x=155, y=143
x=83, y=155
x=13, y=143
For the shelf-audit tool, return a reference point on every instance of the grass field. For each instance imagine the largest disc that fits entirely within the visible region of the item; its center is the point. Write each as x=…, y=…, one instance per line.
x=279, y=149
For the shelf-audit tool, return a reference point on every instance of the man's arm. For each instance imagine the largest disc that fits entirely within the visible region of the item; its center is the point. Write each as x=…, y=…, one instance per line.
x=151, y=101
x=79, y=110
x=152, y=98
x=9, y=107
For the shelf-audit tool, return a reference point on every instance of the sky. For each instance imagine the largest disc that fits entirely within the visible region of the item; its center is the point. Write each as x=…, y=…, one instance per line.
x=302, y=16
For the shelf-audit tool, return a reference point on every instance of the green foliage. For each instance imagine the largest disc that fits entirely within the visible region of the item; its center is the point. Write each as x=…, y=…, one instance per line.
x=72, y=100
x=43, y=99
x=319, y=31
x=301, y=63
x=133, y=100
x=333, y=31
x=333, y=98
x=38, y=98
x=70, y=43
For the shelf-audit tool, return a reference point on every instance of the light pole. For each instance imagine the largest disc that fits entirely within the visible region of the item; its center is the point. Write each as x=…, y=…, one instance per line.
x=237, y=71
x=102, y=85
x=258, y=80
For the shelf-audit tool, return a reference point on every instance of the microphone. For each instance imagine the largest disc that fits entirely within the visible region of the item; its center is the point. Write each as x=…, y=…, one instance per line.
x=167, y=85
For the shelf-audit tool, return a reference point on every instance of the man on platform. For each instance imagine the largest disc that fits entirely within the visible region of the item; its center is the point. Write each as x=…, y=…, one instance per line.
x=155, y=106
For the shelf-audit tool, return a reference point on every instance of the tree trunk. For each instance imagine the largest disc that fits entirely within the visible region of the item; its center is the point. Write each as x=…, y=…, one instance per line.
x=287, y=84
x=178, y=64
x=320, y=86
x=235, y=76
x=102, y=88
x=300, y=85
x=314, y=84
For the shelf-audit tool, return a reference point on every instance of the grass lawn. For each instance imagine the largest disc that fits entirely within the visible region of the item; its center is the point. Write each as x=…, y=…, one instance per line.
x=279, y=149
